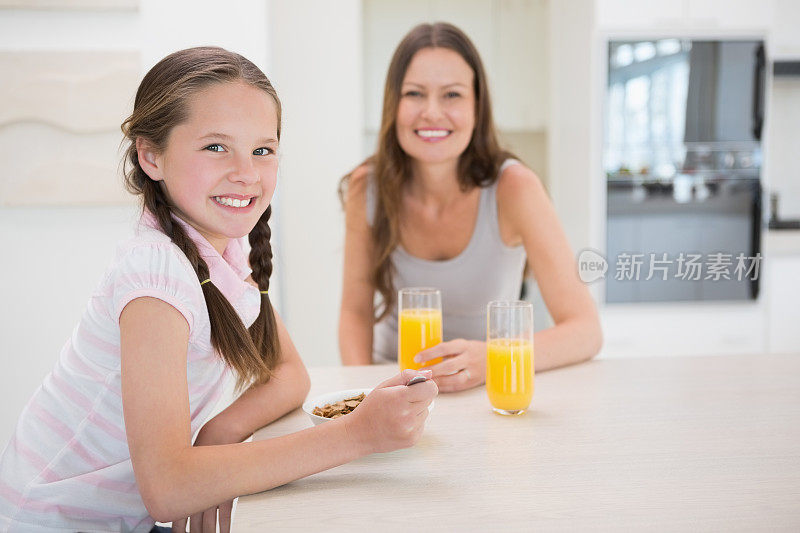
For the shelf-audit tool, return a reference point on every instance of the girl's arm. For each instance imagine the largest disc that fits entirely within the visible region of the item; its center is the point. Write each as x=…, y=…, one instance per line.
x=526, y=209
x=177, y=480
x=356, y=316
x=261, y=404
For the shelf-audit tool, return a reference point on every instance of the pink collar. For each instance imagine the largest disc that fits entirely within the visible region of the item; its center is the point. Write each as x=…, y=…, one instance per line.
x=227, y=271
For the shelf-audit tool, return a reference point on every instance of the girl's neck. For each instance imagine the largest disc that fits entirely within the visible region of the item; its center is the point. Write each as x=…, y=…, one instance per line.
x=435, y=183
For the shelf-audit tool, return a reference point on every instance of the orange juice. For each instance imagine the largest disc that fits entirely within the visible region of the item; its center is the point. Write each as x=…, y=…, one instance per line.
x=418, y=329
x=509, y=373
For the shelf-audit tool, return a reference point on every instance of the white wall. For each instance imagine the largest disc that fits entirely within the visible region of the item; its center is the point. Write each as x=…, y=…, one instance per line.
x=316, y=68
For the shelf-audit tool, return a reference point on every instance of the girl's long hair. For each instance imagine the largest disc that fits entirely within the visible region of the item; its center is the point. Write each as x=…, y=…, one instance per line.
x=390, y=166
x=162, y=102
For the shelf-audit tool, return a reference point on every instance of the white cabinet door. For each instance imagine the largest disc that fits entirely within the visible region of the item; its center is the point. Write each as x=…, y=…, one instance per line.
x=730, y=14
x=783, y=284
x=743, y=16
x=785, y=34
x=638, y=14
x=519, y=76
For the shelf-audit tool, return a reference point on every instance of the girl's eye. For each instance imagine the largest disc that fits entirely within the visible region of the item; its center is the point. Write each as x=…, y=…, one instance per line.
x=263, y=151
x=214, y=148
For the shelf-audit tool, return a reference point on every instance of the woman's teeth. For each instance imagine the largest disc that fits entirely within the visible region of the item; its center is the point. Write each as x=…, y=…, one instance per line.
x=433, y=133
x=232, y=202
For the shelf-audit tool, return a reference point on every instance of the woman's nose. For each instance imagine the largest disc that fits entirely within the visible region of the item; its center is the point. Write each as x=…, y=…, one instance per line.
x=432, y=109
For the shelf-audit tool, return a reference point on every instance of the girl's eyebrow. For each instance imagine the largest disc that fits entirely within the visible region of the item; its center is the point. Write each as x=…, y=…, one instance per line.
x=224, y=137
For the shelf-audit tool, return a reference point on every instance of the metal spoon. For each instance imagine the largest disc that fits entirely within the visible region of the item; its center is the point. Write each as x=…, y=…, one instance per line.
x=415, y=380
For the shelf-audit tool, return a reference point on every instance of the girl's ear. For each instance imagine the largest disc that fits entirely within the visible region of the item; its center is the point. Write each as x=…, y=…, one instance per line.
x=148, y=159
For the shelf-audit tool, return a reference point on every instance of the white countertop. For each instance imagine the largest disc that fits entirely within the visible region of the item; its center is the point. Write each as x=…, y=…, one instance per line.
x=692, y=443
x=781, y=242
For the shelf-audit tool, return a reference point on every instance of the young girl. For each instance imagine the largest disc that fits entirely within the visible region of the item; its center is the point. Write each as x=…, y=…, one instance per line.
x=105, y=443
x=440, y=204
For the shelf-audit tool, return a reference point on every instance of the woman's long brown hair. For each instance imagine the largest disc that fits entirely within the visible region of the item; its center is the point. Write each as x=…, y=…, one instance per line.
x=390, y=166
x=162, y=102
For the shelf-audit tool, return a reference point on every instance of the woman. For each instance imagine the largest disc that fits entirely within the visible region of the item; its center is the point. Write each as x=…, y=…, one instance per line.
x=440, y=204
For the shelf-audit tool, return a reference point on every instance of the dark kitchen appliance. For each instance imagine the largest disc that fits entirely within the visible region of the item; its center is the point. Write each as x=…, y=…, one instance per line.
x=682, y=157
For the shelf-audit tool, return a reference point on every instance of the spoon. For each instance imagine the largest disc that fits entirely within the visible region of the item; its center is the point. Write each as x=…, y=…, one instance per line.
x=415, y=380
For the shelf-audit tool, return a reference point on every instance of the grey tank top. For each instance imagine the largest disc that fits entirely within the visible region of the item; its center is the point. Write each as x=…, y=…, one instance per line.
x=485, y=270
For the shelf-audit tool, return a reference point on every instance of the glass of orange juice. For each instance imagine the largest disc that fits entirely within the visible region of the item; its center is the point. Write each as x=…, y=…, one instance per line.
x=509, y=356
x=419, y=324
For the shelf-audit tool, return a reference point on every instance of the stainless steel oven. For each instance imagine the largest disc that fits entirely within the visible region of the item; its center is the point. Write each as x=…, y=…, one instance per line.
x=682, y=157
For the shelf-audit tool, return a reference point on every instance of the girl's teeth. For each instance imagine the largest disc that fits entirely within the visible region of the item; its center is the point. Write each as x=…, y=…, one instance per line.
x=232, y=202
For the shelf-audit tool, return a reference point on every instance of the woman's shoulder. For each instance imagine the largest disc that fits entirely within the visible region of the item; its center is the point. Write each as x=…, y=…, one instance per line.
x=358, y=195
x=358, y=180
x=516, y=181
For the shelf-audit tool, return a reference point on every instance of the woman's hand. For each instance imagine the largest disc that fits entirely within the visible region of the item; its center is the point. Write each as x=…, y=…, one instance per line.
x=393, y=415
x=206, y=522
x=463, y=367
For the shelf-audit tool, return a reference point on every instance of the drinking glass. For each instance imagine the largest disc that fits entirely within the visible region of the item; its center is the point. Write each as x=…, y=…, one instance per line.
x=509, y=356
x=419, y=326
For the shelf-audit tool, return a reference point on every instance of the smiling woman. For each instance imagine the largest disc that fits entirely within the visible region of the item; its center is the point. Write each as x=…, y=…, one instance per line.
x=440, y=204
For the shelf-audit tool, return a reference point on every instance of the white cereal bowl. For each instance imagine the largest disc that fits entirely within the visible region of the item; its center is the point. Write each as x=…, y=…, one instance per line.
x=333, y=397
x=325, y=399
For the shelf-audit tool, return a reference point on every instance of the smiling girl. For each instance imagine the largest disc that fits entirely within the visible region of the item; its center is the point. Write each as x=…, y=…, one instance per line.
x=440, y=205
x=105, y=444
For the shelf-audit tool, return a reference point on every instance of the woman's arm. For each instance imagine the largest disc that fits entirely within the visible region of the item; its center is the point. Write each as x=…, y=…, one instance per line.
x=177, y=480
x=356, y=316
x=526, y=210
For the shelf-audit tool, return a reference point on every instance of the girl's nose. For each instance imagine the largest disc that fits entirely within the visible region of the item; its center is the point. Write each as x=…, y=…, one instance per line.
x=244, y=171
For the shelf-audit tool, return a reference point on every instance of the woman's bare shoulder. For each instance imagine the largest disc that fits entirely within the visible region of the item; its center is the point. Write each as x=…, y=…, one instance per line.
x=518, y=183
x=357, y=182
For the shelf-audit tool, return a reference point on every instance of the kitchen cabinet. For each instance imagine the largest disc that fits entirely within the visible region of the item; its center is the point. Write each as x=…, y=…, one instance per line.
x=782, y=279
x=685, y=15
x=784, y=36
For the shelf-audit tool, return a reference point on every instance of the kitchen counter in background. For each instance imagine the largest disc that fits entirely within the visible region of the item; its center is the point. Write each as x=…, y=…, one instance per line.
x=781, y=243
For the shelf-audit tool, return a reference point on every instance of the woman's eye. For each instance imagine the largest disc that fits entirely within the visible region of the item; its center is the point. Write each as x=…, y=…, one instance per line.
x=215, y=148
x=263, y=151
x=453, y=94
x=412, y=93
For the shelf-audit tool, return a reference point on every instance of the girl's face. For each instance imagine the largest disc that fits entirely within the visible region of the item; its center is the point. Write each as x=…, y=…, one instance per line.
x=436, y=114
x=219, y=168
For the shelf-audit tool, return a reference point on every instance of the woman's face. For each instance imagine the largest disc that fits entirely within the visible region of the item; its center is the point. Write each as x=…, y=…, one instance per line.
x=436, y=114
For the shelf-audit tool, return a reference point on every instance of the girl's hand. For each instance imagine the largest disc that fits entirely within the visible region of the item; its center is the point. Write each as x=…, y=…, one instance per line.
x=393, y=415
x=206, y=522
x=463, y=367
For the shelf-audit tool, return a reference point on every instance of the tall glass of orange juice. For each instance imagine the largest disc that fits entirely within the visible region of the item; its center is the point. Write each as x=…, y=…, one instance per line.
x=509, y=356
x=419, y=324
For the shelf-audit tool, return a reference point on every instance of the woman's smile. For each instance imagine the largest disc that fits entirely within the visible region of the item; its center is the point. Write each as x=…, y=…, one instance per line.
x=433, y=134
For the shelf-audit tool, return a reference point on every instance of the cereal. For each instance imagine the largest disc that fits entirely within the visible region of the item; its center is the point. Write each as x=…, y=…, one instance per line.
x=340, y=408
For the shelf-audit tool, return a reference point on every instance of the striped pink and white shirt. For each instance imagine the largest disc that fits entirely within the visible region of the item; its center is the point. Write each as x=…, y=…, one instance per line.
x=67, y=467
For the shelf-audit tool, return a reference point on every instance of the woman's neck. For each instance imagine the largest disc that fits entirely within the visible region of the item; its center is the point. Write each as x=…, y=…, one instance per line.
x=435, y=183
